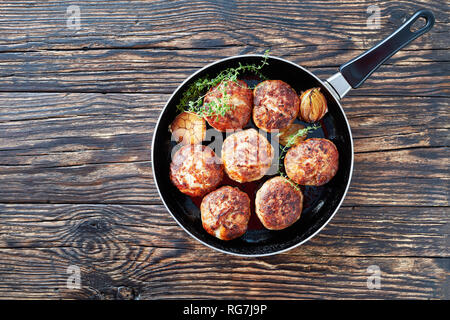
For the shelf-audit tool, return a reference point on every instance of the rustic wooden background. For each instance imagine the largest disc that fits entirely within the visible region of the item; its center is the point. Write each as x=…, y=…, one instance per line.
x=77, y=112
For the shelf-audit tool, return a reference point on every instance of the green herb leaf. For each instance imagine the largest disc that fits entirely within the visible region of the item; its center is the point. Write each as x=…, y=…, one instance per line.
x=192, y=98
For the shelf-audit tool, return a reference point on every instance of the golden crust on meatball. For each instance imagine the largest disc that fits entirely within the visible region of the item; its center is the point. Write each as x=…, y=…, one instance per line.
x=196, y=170
x=225, y=213
x=278, y=204
x=239, y=101
x=188, y=128
x=313, y=162
x=246, y=155
x=276, y=105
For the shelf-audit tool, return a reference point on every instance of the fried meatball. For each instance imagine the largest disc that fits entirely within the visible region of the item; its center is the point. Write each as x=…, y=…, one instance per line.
x=246, y=155
x=312, y=162
x=238, y=101
x=225, y=213
x=278, y=203
x=196, y=170
x=188, y=128
x=276, y=105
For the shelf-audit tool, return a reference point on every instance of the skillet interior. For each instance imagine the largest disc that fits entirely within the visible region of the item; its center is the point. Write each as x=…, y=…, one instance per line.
x=320, y=202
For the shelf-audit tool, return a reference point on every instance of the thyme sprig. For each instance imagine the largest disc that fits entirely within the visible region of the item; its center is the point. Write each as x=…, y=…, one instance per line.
x=192, y=98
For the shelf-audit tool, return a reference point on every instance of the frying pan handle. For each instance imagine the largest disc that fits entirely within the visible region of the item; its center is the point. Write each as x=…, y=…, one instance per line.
x=353, y=73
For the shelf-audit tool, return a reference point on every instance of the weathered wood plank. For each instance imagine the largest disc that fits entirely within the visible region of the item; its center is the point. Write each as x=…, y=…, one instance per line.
x=96, y=148
x=369, y=117
x=34, y=25
x=149, y=273
x=161, y=71
x=33, y=125
x=354, y=231
x=118, y=177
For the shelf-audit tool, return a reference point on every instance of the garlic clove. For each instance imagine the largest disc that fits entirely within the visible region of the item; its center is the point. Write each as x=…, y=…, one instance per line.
x=188, y=128
x=285, y=136
x=313, y=105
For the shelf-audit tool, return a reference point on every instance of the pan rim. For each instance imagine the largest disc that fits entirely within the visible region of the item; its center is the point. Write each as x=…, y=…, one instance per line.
x=337, y=100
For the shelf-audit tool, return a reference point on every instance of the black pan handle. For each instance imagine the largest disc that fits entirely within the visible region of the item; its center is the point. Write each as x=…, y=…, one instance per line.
x=360, y=68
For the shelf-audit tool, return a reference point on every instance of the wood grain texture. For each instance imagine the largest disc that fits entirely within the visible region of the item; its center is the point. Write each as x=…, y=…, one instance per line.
x=354, y=231
x=77, y=113
x=175, y=38
x=148, y=273
x=95, y=148
x=34, y=25
x=161, y=71
x=119, y=249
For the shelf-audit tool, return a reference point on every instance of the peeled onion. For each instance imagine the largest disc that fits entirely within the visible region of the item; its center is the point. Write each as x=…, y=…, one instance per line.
x=313, y=105
x=188, y=128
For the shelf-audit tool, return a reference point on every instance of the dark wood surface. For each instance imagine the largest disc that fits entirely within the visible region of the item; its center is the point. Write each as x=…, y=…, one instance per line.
x=77, y=112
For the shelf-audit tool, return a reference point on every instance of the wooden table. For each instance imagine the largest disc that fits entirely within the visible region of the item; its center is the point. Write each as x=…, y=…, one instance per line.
x=78, y=108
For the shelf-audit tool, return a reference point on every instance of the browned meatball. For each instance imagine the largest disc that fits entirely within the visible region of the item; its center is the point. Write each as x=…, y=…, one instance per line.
x=246, y=155
x=196, y=170
x=238, y=101
x=313, y=162
x=278, y=203
x=225, y=213
x=276, y=105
